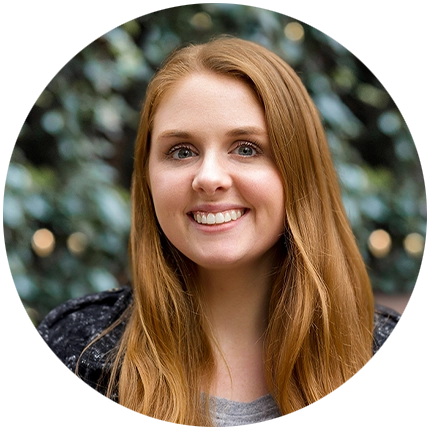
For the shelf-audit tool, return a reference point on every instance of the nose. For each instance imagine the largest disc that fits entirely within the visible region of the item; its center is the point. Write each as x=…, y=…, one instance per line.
x=212, y=175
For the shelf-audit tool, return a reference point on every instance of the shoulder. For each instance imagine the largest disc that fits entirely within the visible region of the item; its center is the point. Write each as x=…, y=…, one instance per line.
x=98, y=309
x=385, y=320
x=70, y=327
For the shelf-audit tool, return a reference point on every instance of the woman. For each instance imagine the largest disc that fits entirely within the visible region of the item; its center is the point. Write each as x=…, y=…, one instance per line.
x=250, y=299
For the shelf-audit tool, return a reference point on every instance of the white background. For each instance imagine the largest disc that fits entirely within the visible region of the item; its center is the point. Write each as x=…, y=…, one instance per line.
x=35, y=36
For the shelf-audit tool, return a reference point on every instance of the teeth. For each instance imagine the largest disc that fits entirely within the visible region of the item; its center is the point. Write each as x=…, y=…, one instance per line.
x=211, y=218
x=218, y=218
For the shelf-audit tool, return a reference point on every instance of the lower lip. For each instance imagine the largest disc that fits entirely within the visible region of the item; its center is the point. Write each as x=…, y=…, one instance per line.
x=215, y=228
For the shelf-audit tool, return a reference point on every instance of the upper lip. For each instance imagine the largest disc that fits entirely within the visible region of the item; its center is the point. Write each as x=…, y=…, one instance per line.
x=210, y=208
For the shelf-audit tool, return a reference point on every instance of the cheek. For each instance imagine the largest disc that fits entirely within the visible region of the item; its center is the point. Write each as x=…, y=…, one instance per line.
x=167, y=189
x=267, y=191
x=272, y=211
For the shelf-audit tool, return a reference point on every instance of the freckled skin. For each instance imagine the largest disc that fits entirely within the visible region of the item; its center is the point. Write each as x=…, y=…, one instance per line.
x=210, y=152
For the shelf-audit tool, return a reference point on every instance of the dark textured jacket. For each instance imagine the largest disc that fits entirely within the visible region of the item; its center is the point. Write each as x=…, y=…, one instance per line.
x=70, y=327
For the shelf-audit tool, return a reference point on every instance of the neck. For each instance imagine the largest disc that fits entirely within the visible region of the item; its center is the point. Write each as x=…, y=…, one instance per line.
x=236, y=300
x=236, y=305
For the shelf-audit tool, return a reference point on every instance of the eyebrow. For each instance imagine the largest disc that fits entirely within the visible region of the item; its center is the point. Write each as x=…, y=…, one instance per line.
x=174, y=133
x=240, y=131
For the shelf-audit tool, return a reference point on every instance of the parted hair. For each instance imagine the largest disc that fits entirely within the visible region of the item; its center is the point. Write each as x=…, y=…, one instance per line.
x=320, y=322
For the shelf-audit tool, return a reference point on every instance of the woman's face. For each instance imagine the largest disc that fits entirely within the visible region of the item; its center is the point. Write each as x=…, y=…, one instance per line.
x=217, y=193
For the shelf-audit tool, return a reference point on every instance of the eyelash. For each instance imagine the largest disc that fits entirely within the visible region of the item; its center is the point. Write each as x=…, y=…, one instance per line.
x=178, y=147
x=242, y=143
x=250, y=144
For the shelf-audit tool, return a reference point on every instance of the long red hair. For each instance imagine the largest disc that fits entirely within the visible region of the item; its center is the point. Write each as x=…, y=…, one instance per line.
x=321, y=309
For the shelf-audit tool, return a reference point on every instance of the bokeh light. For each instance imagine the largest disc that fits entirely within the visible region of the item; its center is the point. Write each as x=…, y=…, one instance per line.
x=414, y=244
x=77, y=243
x=294, y=31
x=379, y=243
x=43, y=242
x=201, y=21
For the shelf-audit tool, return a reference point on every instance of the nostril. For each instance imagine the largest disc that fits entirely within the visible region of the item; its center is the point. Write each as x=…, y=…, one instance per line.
x=211, y=181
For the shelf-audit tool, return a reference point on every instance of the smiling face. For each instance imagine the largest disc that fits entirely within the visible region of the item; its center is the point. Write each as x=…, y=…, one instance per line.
x=217, y=193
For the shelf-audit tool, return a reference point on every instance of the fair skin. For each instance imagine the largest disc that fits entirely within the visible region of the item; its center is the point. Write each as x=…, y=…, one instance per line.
x=219, y=199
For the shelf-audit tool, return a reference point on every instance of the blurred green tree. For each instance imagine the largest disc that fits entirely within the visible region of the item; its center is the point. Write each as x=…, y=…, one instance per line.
x=71, y=167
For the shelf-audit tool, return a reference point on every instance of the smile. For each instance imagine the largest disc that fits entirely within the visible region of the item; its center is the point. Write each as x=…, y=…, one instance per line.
x=218, y=217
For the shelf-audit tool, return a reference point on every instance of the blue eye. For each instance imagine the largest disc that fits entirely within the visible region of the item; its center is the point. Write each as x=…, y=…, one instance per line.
x=181, y=153
x=247, y=149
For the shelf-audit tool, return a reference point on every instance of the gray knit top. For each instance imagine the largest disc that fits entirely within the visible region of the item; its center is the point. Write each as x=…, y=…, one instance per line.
x=226, y=413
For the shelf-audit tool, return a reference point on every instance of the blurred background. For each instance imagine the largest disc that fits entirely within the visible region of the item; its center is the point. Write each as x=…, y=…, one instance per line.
x=66, y=203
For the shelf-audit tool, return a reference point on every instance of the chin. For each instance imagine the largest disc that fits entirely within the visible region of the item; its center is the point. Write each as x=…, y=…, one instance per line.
x=226, y=263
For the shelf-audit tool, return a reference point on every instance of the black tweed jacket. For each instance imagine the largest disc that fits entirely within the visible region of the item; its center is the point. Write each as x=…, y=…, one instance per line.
x=70, y=327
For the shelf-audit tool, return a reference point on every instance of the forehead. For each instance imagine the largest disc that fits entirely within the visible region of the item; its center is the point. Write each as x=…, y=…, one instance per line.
x=205, y=99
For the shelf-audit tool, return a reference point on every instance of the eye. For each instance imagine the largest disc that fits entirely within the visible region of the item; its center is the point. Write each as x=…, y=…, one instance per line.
x=181, y=152
x=247, y=149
